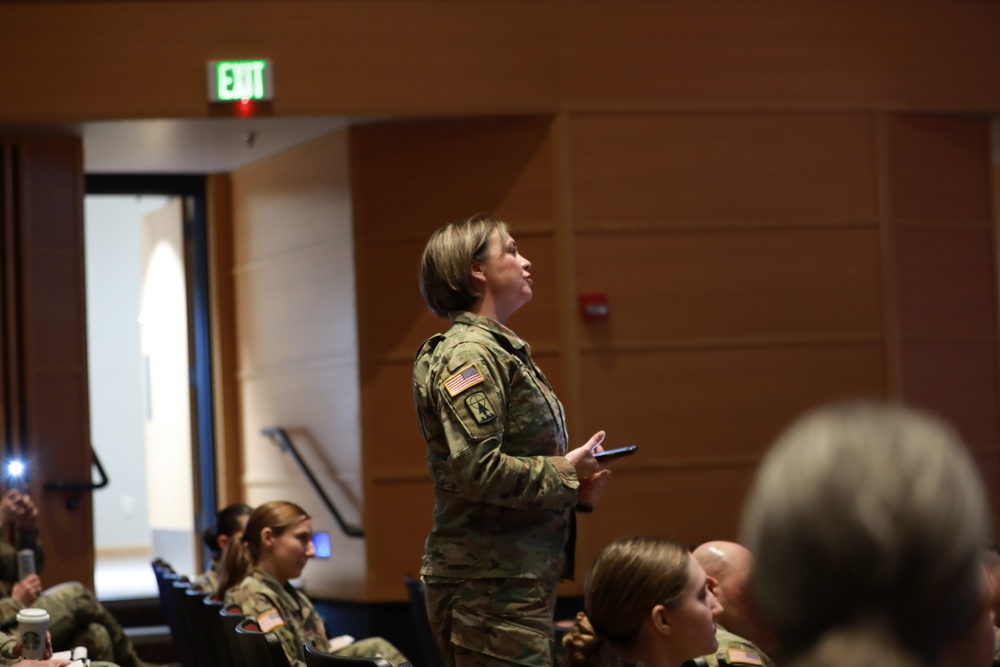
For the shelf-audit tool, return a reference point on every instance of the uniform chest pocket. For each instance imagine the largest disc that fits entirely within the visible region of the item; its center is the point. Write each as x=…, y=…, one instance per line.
x=537, y=415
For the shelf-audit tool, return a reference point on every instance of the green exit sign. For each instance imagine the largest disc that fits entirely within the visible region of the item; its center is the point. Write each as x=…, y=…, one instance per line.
x=237, y=80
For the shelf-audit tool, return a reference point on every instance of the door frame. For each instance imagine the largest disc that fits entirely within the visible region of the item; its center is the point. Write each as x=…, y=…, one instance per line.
x=192, y=189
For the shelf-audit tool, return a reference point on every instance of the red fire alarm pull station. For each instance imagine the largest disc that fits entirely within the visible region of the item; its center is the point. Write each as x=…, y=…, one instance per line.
x=594, y=307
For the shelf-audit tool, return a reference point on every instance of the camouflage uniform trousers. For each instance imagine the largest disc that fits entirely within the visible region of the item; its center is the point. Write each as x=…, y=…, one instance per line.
x=78, y=619
x=373, y=647
x=489, y=622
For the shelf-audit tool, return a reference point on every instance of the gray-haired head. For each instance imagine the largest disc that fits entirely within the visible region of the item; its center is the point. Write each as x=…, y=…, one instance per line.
x=867, y=514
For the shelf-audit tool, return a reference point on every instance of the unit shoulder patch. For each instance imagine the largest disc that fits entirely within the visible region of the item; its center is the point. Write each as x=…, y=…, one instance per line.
x=480, y=407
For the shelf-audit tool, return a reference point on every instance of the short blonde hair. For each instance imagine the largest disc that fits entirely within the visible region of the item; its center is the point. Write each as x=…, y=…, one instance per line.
x=445, y=280
x=867, y=516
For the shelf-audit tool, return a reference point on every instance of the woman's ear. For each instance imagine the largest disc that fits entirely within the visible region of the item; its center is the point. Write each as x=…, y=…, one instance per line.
x=267, y=538
x=478, y=273
x=223, y=542
x=660, y=620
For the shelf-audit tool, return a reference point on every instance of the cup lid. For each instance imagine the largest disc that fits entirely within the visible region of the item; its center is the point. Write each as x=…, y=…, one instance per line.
x=32, y=613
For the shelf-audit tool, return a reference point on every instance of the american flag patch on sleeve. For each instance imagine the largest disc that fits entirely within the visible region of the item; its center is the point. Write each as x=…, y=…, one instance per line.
x=741, y=657
x=270, y=620
x=462, y=380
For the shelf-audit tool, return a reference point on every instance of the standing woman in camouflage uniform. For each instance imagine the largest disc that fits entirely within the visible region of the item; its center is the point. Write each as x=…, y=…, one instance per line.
x=256, y=570
x=505, y=483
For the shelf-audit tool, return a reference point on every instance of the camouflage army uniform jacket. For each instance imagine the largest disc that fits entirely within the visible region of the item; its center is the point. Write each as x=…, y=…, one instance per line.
x=496, y=441
x=735, y=650
x=283, y=610
x=208, y=580
x=27, y=539
x=7, y=643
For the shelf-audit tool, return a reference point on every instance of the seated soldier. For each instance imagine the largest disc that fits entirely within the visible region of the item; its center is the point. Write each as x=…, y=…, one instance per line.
x=77, y=618
x=230, y=520
x=256, y=570
x=11, y=649
x=738, y=630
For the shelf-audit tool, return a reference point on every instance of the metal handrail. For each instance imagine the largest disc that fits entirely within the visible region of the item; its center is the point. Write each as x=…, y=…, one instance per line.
x=81, y=487
x=278, y=434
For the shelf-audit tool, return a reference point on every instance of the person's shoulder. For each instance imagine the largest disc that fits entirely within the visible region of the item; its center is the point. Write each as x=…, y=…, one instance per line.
x=206, y=581
x=428, y=346
x=251, y=584
x=735, y=650
x=257, y=579
x=454, y=353
x=251, y=595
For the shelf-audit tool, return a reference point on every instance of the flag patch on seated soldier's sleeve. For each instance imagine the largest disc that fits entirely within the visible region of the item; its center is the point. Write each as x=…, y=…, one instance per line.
x=270, y=620
x=742, y=657
x=462, y=380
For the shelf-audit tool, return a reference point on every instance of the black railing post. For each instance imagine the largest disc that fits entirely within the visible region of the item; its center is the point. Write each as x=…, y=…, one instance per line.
x=278, y=434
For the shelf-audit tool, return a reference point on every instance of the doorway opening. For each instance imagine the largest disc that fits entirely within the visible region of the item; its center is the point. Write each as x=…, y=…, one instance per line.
x=150, y=376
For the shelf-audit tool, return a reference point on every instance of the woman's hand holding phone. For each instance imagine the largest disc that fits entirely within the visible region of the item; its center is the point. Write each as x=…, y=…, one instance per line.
x=582, y=458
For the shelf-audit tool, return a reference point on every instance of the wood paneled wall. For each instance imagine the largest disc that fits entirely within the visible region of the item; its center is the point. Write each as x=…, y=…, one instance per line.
x=942, y=242
x=294, y=301
x=761, y=187
x=44, y=408
x=757, y=264
x=740, y=254
x=95, y=60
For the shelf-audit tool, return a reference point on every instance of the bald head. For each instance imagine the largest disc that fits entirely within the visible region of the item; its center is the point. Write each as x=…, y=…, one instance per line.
x=729, y=564
x=724, y=560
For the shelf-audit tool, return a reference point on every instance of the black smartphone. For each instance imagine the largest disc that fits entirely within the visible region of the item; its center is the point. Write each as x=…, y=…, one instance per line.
x=612, y=454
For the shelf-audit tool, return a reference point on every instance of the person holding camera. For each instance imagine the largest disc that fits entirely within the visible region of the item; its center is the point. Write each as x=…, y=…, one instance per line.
x=76, y=617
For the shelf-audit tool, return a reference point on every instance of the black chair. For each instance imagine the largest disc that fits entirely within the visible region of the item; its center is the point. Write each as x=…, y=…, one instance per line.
x=230, y=617
x=259, y=649
x=192, y=638
x=165, y=576
x=317, y=658
x=166, y=580
x=216, y=632
x=418, y=608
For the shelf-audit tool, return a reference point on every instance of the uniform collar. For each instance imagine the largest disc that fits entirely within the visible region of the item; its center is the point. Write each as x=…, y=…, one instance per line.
x=288, y=591
x=496, y=329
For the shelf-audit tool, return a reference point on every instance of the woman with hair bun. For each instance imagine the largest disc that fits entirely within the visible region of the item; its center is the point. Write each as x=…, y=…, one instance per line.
x=230, y=520
x=256, y=571
x=648, y=601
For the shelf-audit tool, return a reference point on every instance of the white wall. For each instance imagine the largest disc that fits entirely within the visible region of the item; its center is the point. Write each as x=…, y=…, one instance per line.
x=164, y=344
x=116, y=407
